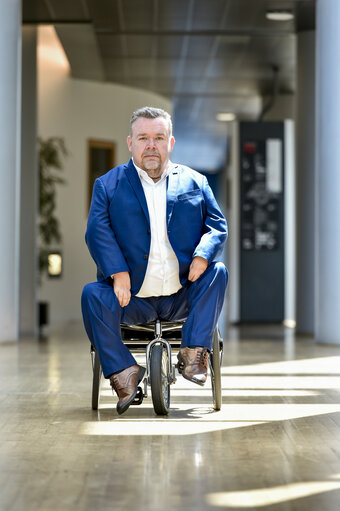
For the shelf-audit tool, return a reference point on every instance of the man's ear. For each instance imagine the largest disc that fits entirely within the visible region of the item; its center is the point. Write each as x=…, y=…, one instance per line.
x=129, y=142
x=172, y=142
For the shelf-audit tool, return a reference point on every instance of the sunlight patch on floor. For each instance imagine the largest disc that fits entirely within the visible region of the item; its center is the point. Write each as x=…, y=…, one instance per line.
x=156, y=427
x=184, y=419
x=317, y=365
x=281, y=382
x=269, y=496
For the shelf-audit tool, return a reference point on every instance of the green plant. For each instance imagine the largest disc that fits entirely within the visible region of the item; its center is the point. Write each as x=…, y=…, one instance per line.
x=52, y=151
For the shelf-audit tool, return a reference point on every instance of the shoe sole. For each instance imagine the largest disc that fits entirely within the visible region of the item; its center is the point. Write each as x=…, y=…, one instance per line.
x=200, y=383
x=181, y=367
x=125, y=406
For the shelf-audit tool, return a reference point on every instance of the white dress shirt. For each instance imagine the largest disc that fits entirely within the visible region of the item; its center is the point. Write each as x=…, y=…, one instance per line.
x=162, y=273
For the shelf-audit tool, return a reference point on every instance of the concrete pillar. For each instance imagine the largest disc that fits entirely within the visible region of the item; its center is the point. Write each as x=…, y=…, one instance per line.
x=305, y=183
x=10, y=88
x=327, y=291
x=29, y=186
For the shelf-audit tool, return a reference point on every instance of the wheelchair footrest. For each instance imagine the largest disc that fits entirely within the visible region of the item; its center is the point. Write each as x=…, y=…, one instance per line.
x=139, y=397
x=180, y=366
x=173, y=379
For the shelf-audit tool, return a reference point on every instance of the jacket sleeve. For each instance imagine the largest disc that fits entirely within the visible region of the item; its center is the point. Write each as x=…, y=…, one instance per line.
x=100, y=237
x=215, y=231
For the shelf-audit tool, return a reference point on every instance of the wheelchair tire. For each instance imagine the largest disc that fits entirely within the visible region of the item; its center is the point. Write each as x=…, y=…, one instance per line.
x=215, y=360
x=159, y=379
x=96, y=382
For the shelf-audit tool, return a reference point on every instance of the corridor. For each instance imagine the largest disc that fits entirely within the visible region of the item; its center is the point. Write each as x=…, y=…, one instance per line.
x=272, y=446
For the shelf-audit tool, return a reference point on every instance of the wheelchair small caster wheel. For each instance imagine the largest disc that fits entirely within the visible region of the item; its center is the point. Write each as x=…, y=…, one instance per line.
x=160, y=380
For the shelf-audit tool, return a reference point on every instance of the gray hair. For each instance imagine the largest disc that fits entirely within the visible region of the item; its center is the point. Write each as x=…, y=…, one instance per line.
x=149, y=112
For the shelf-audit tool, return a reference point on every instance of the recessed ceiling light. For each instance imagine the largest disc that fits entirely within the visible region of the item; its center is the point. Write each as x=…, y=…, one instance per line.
x=225, y=116
x=279, y=15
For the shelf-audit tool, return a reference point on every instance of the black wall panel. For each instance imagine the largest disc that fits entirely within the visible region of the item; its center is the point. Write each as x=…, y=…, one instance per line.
x=261, y=222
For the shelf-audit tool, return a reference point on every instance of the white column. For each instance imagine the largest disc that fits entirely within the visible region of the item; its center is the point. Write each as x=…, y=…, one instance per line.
x=29, y=186
x=327, y=138
x=305, y=183
x=10, y=88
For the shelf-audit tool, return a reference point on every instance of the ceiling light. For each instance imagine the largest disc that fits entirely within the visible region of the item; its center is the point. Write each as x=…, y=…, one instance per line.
x=279, y=15
x=225, y=116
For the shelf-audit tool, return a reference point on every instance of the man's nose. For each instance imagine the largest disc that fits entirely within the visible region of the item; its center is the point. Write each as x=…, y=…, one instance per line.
x=150, y=143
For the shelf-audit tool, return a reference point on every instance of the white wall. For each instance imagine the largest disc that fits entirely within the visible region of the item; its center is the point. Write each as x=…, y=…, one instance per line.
x=78, y=110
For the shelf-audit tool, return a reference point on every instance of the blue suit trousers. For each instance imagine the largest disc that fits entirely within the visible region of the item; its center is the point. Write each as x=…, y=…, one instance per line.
x=199, y=303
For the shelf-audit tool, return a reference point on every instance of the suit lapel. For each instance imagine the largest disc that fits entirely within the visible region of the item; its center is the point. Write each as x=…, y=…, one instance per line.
x=172, y=183
x=137, y=186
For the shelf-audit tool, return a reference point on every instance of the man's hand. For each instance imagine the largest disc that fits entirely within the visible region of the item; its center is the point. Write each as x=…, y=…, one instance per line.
x=197, y=267
x=122, y=287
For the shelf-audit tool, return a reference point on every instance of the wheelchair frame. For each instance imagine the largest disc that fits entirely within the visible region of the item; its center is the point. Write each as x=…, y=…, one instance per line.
x=160, y=372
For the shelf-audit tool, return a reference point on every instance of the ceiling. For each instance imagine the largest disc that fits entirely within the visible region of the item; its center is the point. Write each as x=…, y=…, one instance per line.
x=208, y=56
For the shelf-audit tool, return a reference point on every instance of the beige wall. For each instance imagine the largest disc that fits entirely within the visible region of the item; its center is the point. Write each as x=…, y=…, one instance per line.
x=283, y=108
x=78, y=110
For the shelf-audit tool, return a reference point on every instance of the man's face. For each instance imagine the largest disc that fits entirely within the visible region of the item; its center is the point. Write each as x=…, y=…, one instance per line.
x=151, y=145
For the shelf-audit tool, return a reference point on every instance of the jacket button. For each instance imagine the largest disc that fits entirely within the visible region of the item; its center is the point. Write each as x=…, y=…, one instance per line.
x=145, y=256
x=148, y=231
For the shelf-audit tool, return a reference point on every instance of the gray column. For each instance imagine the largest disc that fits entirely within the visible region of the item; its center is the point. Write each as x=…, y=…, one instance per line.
x=29, y=186
x=10, y=87
x=327, y=291
x=305, y=185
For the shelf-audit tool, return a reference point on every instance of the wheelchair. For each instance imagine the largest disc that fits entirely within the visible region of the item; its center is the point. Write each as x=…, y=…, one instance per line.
x=159, y=340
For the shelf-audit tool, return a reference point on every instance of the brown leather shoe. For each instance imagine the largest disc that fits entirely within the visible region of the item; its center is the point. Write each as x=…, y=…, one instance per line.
x=125, y=384
x=193, y=364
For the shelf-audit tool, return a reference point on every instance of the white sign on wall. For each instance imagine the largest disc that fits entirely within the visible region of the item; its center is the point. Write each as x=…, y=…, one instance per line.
x=274, y=165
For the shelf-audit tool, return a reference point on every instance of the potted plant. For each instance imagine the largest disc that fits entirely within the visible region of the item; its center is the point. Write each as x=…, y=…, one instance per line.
x=52, y=151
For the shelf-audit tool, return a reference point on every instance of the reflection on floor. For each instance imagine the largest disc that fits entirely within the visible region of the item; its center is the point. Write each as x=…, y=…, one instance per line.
x=274, y=445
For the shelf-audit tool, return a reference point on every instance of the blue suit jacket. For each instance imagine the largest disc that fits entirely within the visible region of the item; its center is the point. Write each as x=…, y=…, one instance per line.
x=118, y=228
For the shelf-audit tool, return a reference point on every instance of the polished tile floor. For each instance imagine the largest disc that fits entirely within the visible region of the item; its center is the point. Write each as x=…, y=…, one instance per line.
x=275, y=445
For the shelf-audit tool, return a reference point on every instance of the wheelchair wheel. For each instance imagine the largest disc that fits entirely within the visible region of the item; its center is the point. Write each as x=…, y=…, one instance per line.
x=96, y=381
x=159, y=379
x=215, y=360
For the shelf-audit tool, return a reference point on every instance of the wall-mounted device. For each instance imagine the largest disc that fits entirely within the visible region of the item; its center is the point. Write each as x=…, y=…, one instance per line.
x=262, y=222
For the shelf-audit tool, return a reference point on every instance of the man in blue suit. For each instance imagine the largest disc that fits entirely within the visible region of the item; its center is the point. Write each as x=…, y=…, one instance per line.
x=154, y=231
